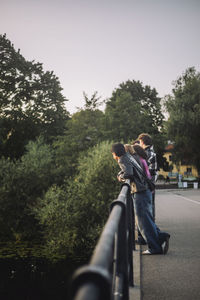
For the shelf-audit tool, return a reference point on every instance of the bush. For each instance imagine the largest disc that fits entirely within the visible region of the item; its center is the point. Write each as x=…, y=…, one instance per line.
x=21, y=183
x=161, y=177
x=73, y=216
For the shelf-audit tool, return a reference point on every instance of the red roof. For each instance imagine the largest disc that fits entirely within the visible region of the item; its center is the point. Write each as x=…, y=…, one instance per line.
x=169, y=147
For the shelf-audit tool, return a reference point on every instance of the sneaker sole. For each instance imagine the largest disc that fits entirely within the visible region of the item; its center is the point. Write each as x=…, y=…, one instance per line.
x=166, y=247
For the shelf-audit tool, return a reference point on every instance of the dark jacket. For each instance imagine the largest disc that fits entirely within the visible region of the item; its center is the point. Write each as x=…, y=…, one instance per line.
x=128, y=171
x=152, y=162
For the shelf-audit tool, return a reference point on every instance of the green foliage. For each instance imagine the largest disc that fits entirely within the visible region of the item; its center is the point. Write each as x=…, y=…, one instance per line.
x=21, y=183
x=183, y=125
x=20, y=249
x=133, y=109
x=84, y=130
x=58, y=176
x=93, y=102
x=51, y=212
x=8, y=176
x=73, y=216
x=31, y=102
x=37, y=168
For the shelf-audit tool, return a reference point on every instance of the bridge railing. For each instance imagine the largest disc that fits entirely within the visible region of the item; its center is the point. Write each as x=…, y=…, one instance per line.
x=110, y=271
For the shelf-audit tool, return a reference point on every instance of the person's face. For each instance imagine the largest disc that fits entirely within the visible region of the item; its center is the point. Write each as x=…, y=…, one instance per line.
x=115, y=156
x=142, y=144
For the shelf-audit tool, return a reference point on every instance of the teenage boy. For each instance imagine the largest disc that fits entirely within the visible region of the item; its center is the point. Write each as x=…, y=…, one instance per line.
x=146, y=143
x=158, y=242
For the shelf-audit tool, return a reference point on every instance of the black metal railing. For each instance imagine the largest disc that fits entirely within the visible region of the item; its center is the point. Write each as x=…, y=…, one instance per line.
x=110, y=271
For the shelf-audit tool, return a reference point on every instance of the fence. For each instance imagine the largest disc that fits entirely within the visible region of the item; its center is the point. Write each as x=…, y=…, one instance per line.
x=110, y=271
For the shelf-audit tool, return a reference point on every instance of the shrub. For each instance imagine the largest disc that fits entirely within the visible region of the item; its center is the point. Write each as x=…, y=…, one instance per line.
x=73, y=216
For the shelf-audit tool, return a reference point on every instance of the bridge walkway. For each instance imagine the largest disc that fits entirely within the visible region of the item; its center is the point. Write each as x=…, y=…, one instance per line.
x=175, y=276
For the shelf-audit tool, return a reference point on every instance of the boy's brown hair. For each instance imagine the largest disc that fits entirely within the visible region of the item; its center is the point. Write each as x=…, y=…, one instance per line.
x=146, y=138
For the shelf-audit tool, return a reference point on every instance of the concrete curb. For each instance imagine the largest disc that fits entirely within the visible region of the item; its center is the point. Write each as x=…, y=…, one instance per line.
x=135, y=292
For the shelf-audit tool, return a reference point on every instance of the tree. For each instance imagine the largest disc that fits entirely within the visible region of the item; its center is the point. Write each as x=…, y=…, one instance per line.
x=133, y=109
x=21, y=183
x=31, y=102
x=183, y=125
x=92, y=103
x=84, y=130
x=73, y=216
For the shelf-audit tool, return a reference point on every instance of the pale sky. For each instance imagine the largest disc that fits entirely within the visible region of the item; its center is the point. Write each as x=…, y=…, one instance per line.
x=94, y=45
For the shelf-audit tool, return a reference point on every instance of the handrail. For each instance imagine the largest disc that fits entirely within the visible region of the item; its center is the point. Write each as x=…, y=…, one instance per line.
x=110, y=271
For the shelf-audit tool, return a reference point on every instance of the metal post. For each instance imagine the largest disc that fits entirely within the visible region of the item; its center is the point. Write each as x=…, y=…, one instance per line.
x=131, y=232
x=110, y=271
x=122, y=282
x=121, y=290
x=153, y=205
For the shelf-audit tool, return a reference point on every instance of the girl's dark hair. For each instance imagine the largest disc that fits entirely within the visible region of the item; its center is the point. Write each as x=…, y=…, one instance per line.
x=118, y=149
x=140, y=151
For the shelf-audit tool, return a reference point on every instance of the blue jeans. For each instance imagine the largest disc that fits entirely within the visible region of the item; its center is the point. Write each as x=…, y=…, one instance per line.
x=150, y=232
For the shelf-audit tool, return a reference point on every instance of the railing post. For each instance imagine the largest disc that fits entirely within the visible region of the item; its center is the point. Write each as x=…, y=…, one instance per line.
x=110, y=272
x=91, y=283
x=125, y=244
x=121, y=282
x=131, y=236
x=153, y=205
x=131, y=231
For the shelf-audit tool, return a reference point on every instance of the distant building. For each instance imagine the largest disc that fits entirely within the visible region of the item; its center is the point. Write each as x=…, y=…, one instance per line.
x=177, y=169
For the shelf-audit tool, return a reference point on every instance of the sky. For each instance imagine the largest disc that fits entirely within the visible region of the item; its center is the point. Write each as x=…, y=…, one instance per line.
x=94, y=45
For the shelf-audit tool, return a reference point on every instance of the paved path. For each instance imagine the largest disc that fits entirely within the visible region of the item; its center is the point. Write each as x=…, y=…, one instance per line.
x=175, y=276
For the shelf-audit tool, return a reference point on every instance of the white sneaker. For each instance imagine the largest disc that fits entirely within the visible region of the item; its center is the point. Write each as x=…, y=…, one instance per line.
x=146, y=252
x=165, y=245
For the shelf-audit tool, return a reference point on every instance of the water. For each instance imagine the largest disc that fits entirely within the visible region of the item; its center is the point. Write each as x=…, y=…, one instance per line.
x=35, y=279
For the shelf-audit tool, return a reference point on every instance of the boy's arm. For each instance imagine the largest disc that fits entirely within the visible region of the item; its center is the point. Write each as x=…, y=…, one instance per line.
x=152, y=163
x=126, y=168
